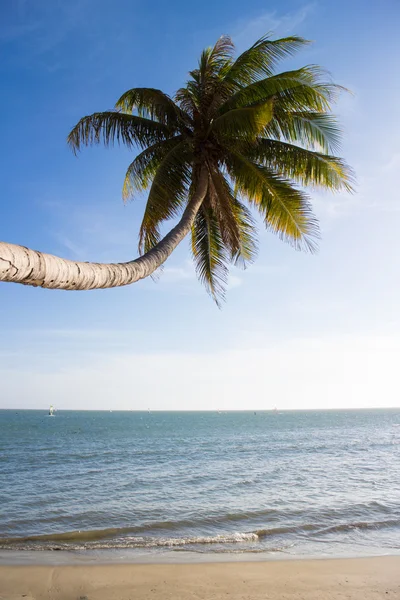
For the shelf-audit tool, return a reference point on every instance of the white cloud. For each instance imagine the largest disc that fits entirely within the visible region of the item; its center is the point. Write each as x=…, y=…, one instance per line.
x=374, y=192
x=177, y=274
x=268, y=269
x=75, y=334
x=102, y=233
x=379, y=187
x=336, y=206
x=77, y=251
x=234, y=281
x=393, y=165
x=247, y=31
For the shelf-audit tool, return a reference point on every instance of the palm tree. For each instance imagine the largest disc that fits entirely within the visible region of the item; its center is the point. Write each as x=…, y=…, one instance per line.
x=236, y=133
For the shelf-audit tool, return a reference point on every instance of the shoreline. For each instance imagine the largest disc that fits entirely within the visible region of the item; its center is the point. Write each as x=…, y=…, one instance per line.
x=322, y=579
x=128, y=556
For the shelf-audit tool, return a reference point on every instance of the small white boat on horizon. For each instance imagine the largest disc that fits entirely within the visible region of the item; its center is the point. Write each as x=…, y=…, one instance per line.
x=51, y=411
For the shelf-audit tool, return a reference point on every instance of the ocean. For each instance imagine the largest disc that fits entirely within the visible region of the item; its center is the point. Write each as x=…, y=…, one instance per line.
x=273, y=484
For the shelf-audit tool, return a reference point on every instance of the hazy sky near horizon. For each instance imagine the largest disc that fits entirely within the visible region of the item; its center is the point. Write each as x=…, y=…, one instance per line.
x=297, y=331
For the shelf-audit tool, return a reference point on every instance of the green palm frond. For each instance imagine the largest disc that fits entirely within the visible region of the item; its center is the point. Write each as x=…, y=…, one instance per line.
x=305, y=88
x=261, y=59
x=247, y=123
x=208, y=89
x=285, y=209
x=152, y=104
x=110, y=127
x=301, y=165
x=209, y=253
x=143, y=168
x=248, y=246
x=221, y=202
x=184, y=98
x=317, y=131
x=214, y=59
x=235, y=221
x=167, y=194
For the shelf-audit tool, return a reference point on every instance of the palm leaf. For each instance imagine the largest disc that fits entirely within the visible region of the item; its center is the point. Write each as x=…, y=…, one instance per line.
x=220, y=199
x=303, y=88
x=110, y=127
x=153, y=104
x=235, y=221
x=248, y=245
x=302, y=165
x=185, y=99
x=209, y=253
x=209, y=88
x=168, y=193
x=285, y=209
x=143, y=168
x=262, y=58
x=213, y=59
x=316, y=131
x=245, y=123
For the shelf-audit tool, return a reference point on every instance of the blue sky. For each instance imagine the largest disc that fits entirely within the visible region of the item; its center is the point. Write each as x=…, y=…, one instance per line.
x=297, y=331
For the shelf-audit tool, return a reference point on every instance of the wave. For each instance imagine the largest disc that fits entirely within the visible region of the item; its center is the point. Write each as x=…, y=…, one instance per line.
x=145, y=528
x=320, y=529
x=345, y=527
x=287, y=529
x=122, y=537
x=286, y=521
x=81, y=541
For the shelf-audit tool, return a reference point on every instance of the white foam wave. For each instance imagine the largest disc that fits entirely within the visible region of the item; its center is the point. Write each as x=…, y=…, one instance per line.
x=232, y=538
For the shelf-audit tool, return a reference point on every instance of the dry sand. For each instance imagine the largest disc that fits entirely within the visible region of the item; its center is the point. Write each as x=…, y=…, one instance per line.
x=350, y=579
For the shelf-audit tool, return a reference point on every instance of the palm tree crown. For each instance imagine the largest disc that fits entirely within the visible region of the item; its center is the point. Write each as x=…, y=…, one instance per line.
x=257, y=136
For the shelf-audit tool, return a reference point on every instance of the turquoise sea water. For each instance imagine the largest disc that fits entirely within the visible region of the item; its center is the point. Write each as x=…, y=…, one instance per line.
x=277, y=483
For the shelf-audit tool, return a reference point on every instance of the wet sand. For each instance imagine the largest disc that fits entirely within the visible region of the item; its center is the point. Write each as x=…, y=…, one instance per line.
x=339, y=579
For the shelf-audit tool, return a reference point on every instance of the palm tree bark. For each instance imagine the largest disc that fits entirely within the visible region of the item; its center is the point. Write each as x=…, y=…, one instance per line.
x=30, y=267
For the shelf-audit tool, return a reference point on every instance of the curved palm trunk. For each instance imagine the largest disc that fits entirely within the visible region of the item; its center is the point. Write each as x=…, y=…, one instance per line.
x=29, y=267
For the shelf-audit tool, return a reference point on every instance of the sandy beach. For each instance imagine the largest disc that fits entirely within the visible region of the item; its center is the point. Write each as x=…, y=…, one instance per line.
x=350, y=579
